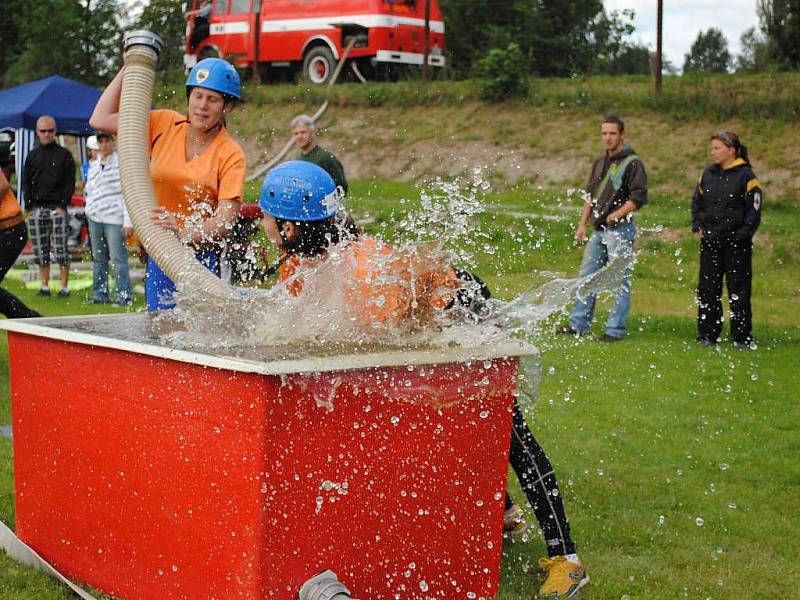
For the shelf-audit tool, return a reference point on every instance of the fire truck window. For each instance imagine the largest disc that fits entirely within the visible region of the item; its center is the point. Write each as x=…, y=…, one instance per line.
x=240, y=7
x=220, y=6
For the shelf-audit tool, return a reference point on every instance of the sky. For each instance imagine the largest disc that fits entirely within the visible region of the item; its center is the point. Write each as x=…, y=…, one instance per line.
x=684, y=19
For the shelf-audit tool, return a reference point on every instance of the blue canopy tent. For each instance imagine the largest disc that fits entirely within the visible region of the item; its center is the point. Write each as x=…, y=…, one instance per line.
x=70, y=103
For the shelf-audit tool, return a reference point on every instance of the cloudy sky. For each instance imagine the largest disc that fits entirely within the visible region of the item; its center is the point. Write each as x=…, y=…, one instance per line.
x=683, y=19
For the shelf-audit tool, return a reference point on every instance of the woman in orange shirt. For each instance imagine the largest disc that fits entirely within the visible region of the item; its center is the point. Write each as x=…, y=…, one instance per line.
x=196, y=166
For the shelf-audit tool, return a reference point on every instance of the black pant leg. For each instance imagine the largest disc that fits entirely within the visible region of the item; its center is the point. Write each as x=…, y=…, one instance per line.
x=538, y=481
x=12, y=241
x=739, y=280
x=709, y=290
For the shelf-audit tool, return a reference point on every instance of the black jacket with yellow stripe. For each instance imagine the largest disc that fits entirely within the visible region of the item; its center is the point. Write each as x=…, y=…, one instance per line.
x=727, y=202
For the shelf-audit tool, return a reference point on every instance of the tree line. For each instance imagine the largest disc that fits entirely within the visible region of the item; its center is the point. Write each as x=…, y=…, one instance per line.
x=81, y=39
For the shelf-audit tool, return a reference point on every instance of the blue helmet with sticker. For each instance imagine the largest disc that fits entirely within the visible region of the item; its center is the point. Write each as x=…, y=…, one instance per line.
x=217, y=75
x=299, y=191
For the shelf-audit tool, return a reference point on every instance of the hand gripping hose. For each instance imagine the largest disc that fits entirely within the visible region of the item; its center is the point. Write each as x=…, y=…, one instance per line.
x=175, y=259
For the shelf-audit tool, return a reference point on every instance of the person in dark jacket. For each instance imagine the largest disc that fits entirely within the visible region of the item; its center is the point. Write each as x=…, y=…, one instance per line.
x=48, y=180
x=617, y=188
x=726, y=211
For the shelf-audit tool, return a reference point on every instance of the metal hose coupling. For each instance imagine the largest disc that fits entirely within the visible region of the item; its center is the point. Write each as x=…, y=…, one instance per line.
x=144, y=38
x=324, y=586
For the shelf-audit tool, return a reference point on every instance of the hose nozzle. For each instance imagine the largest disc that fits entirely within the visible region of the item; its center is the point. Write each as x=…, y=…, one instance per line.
x=142, y=37
x=324, y=586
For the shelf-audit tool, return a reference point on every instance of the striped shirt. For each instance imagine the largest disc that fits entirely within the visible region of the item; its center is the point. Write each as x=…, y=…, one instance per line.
x=103, y=193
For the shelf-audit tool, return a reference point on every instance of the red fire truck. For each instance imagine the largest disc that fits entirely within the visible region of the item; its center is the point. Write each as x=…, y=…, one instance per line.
x=311, y=34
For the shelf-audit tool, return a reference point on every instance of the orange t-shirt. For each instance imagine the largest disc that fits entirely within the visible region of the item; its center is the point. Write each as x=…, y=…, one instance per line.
x=193, y=187
x=383, y=284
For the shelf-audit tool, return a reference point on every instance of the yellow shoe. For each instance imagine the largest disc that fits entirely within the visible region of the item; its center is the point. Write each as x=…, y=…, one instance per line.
x=514, y=522
x=564, y=578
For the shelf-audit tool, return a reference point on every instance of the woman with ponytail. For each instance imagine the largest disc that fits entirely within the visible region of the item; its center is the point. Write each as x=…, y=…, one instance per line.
x=726, y=211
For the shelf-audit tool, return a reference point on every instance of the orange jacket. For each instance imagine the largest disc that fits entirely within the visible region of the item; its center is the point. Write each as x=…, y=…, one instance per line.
x=385, y=285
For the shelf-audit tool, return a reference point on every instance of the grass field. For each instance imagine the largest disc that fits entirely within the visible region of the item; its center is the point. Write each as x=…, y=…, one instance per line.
x=680, y=466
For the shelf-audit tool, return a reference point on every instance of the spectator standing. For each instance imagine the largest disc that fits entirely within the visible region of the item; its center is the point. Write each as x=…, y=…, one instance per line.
x=91, y=149
x=617, y=188
x=48, y=181
x=305, y=138
x=13, y=236
x=109, y=224
x=726, y=212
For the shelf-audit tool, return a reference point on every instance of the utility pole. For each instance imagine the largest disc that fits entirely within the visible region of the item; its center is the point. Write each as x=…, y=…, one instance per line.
x=659, y=27
x=427, y=43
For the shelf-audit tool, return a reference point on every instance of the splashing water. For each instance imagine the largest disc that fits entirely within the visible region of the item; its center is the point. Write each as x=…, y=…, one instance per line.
x=367, y=294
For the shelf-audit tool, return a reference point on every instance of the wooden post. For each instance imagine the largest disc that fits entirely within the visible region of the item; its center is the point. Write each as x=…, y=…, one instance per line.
x=659, y=27
x=427, y=41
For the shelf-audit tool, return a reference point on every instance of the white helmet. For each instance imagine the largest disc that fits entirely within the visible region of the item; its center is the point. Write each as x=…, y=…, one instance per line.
x=92, y=144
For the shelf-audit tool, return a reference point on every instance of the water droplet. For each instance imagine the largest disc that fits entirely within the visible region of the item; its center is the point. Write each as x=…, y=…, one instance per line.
x=423, y=585
x=699, y=521
x=662, y=519
x=732, y=506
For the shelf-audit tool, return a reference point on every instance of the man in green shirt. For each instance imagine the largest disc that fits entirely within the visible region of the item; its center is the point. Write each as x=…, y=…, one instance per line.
x=305, y=137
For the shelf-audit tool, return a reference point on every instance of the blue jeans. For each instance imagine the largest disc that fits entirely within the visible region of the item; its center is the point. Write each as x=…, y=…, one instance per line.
x=604, y=244
x=108, y=239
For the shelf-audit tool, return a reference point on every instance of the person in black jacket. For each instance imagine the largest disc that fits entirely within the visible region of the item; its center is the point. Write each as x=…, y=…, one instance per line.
x=48, y=180
x=726, y=211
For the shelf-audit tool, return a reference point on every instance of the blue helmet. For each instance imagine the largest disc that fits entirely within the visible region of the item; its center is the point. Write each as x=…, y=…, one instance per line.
x=299, y=191
x=217, y=75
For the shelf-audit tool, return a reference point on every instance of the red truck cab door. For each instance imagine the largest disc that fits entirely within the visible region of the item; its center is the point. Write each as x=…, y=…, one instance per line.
x=233, y=27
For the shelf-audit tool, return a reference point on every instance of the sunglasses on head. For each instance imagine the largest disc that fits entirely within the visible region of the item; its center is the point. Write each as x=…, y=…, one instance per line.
x=725, y=137
x=46, y=130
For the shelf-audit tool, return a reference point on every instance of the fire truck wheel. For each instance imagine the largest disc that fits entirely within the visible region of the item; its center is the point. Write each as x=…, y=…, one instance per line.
x=318, y=65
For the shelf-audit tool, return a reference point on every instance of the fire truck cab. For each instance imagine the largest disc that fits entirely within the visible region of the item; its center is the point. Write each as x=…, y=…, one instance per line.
x=311, y=35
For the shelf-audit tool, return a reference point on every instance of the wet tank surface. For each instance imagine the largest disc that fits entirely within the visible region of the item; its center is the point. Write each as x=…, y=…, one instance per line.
x=152, y=471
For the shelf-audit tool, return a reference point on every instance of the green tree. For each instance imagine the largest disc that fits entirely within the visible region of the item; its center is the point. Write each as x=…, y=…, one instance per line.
x=73, y=39
x=558, y=34
x=709, y=53
x=780, y=23
x=754, y=55
x=474, y=27
x=165, y=18
x=504, y=72
x=614, y=52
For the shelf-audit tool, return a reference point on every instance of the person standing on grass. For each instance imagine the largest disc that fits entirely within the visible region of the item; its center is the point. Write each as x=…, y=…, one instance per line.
x=301, y=204
x=13, y=237
x=109, y=224
x=48, y=179
x=305, y=138
x=617, y=188
x=726, y=212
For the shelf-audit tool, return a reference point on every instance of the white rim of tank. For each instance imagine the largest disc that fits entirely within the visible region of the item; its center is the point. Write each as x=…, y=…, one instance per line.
x=311, y=364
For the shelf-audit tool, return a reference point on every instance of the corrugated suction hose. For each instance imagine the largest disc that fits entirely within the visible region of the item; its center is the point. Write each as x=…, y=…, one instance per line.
x=175, y=259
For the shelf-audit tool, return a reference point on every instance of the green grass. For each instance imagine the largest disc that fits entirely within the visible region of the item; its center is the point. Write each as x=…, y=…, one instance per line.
x=648, y=428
